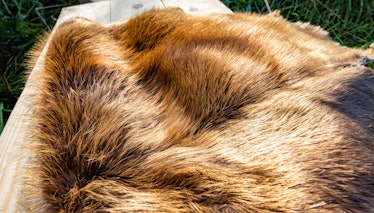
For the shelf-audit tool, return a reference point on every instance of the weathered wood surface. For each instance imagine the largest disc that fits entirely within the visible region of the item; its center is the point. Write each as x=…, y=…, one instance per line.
x=12, y=158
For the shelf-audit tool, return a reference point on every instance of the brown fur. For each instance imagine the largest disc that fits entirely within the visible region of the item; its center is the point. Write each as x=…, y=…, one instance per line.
x=229, y=113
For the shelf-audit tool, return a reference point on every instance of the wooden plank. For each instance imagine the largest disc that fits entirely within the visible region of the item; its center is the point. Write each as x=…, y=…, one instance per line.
x=124, y=9
x=12, y=158
x=198, y=7
x=11, y=139
x=12, y=136
x=98, y=11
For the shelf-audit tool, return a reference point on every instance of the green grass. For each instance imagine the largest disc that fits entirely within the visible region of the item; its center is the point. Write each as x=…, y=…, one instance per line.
x=350, y=22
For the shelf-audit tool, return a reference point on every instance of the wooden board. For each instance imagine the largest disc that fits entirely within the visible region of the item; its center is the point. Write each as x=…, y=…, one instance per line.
x=198, y=7
x=122, y=9
x=12, y=158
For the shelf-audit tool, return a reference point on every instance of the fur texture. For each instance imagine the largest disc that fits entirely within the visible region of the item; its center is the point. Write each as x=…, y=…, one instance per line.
x=169, y=112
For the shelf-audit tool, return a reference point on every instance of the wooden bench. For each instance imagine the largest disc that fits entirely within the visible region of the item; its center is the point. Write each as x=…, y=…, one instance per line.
x=12, y=157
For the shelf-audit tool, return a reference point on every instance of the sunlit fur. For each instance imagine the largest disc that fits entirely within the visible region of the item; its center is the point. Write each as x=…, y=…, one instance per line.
x=169, y=112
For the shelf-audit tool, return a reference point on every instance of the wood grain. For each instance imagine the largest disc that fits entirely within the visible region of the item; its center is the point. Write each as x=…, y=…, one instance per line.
x=198, y=7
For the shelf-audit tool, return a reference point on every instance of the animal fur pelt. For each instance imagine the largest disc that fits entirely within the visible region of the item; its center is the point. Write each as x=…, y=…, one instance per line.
x=169, y=112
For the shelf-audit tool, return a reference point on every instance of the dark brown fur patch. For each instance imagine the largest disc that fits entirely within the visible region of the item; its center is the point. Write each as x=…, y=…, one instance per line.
x=229, y=113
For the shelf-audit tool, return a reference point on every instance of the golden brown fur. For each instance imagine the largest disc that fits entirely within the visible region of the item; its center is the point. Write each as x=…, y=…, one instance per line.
x=229, y=113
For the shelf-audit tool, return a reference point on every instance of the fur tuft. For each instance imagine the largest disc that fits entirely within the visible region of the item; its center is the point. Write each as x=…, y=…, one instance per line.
x=169, y=112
